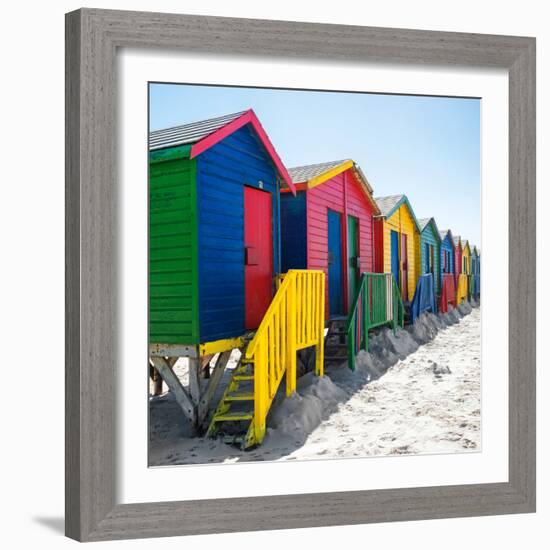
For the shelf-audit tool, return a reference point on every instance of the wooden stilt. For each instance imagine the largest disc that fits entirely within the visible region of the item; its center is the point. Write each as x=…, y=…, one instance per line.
x=215, y=379
x=157, y=381
x=194, y=380
x=164, y=367
x=194, y=405
x=205, y=365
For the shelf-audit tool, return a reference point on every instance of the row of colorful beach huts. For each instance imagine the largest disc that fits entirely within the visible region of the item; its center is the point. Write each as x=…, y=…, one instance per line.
x=334, y=224
x=247, y=253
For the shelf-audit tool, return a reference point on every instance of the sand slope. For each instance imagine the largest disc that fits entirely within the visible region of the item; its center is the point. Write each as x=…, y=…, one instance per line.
x=414, y=392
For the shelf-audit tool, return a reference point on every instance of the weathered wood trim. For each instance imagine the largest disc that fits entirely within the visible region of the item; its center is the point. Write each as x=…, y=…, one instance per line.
x=194, y=380
x=172, y=350
x=172, y=381
x=215, y=379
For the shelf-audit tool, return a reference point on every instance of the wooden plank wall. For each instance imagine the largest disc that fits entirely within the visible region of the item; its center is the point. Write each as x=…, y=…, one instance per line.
x=331, y=195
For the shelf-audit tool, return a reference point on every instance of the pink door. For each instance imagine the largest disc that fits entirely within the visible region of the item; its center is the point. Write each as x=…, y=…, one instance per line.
x=258, y=272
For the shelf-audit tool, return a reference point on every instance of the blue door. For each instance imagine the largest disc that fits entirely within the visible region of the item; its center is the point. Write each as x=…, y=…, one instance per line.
x=335, y=294
x=395, y=257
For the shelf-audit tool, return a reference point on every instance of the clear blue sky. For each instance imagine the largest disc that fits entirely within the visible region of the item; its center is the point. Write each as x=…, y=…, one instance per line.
x=425, y=147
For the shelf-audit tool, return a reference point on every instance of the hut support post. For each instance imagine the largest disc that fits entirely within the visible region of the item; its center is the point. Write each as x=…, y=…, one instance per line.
x=156, y=379
x=215, y=378
x=157, y=383
x=205, y=366
x=195, y=406
x=194, y=380
x=164, y=367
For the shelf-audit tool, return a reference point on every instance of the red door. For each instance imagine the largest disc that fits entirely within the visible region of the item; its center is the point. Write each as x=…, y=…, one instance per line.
x=258, y=272
x=404, y=269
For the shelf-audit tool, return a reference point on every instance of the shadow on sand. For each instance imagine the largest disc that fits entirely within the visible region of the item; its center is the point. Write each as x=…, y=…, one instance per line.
x=173, y=443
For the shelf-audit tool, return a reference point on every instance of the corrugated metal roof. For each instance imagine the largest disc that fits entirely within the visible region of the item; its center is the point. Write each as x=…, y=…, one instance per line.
x=443, y=234
x=387, y=204
x=423, y=222
x=456, y=240
x=189, y=133
x=301, y=174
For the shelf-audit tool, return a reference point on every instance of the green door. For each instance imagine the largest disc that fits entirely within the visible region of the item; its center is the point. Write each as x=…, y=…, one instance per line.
x=353, y=258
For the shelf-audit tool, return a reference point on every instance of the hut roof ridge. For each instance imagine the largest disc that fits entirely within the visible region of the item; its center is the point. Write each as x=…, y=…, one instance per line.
x=424, y=222
x=203, y=134
x=304, y=173
x=191, y=132
x=389, y=204
x=319, y=173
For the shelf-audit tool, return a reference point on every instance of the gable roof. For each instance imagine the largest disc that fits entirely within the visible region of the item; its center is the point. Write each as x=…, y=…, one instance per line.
x=192, y=132
x=313, y=175
x=388, y=205
x=424, y=222
x=203, y=134
x=457, y=241
x=465, y=244
x=308, y=172
x=447, y=233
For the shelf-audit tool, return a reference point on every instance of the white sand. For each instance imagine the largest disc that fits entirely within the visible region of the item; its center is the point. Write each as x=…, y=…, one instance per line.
x=427, y=403
x=417, y=392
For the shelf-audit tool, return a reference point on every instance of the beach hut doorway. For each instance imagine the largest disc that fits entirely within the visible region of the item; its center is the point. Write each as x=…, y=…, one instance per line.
x=329, y=226
x=258, y=255
x=404, y=268
x=395, y=257
x=447, y=263
x=335, y=270
x=353, y=257
x=429, y=268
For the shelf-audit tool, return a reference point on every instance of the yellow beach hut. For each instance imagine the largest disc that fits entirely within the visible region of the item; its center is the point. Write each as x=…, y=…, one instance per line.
x=466, y=258
x=397, y=242
x=467, y=264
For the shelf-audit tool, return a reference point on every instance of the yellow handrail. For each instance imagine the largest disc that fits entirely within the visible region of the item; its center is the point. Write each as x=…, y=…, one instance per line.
x=461, y=288
x=294, y=320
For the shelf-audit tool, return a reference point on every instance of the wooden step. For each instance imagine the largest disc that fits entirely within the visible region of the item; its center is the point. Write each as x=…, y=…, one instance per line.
x=329, y=346
x=234, y=416
x=244, y=366
x=242, y=377
x=240, y=396
x=244, y=369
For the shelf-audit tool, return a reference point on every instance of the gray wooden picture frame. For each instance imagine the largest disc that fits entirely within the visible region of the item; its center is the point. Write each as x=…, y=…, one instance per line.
x=92, y=39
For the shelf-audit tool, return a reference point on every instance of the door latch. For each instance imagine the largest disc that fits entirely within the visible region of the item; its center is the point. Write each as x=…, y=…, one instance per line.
x=251, y=256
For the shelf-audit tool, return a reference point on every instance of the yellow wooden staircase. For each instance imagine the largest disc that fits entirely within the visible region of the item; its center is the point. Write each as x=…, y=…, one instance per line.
x=294, y=320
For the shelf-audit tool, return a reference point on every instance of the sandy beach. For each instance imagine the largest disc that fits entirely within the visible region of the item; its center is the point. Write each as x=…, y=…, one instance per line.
x=415, y=392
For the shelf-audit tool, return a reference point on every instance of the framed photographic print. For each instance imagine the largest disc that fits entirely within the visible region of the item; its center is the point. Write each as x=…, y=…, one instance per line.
x=300, y=275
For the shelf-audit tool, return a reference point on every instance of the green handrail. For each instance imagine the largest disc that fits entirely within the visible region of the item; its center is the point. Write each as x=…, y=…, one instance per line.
x=372, y=308
x=399, y=308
